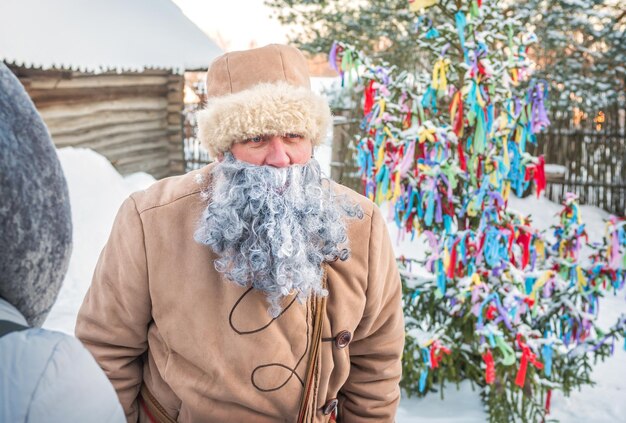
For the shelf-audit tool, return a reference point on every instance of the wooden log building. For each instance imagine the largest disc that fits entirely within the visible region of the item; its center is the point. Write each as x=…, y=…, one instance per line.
x=112, y=92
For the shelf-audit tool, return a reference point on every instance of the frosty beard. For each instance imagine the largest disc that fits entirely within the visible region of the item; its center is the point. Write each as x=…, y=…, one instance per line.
x=273, y=227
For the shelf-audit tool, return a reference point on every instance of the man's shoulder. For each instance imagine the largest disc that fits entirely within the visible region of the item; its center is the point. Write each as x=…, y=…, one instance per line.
x=172, y=190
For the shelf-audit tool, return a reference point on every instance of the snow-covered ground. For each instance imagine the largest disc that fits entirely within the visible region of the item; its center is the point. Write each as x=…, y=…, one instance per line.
x=97, y=190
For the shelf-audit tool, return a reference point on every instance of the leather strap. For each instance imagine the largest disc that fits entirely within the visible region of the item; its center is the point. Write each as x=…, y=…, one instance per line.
x=7, y=326
x=318, y=320
x=153, y=409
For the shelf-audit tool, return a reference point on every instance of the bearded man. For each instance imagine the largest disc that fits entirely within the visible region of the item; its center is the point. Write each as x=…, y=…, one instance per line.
x=254, y=289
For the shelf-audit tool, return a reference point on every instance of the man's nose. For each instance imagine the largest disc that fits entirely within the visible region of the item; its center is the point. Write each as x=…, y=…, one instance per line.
x=277, y=153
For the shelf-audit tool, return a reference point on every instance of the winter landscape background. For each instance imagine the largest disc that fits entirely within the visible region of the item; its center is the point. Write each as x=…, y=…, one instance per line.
x=97, y=190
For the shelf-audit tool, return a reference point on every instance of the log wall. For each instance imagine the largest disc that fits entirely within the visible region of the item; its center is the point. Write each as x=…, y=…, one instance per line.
x=133, y=119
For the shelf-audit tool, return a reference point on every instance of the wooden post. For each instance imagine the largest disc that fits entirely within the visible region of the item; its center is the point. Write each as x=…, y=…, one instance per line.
x=339, y=139
x=343, y=168
x=175, y=88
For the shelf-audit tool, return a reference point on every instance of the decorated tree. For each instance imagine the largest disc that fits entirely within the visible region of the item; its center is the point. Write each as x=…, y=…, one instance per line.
x=500, y=303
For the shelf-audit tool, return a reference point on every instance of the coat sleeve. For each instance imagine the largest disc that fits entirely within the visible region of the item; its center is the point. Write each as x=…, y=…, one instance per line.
x=372, y=391
x=113, y=319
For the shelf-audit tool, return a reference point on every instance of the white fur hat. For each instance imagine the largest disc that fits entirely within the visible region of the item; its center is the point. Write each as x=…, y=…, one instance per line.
x=260, y=91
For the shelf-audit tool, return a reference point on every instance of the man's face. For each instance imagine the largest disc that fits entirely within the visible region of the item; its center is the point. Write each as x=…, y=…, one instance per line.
x=273, y=150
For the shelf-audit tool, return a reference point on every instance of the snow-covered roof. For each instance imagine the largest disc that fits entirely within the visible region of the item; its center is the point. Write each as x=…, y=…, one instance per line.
x=100, y=35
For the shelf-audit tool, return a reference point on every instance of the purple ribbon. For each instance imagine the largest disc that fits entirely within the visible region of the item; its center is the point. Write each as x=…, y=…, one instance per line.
x=407, y=160
x=447, y=182
x=332, y=57
x=539, y=116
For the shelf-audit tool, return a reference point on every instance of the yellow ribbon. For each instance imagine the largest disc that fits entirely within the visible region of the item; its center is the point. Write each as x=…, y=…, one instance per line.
x=397, y=186
x=382, y=104
x=540, y=248
x=539, y=283
x=389, y=134
x=479, y=97
x=514, y=76
x=440, y=81
x=507, y=190
x=417, y=5
x=426, y=134
x=582, y=281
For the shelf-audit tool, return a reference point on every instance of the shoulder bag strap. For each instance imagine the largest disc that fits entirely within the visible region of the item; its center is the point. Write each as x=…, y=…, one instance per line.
x=318, y=322
x=152, y=408
x=6, y=327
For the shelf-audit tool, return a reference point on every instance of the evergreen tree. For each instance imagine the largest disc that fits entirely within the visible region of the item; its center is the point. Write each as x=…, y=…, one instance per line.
x=582, y=50
x=501, y=306
x=582, y=47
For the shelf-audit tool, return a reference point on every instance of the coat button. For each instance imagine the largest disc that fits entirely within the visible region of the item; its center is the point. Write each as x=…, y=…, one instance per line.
x=330, y=406
x=342, y=339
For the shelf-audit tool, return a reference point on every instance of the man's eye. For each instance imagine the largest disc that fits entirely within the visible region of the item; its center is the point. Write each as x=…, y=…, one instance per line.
x=293, y=135
x=255, y=139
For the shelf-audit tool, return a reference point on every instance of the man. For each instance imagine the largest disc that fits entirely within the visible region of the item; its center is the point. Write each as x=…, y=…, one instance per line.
x=253, y=289
x=45, y=376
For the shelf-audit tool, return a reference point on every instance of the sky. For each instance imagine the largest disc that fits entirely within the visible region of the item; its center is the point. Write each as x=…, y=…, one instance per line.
x=236, y=25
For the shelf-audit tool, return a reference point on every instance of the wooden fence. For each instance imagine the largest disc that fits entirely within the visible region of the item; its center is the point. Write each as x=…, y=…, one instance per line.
x=343, y=167
x=194, y=155
x=593, y=152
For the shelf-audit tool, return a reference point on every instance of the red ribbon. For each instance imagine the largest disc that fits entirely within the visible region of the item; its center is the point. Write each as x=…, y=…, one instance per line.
x=523, y=240
x=369, y=98
x=548, y=399
x=490, y=373
x=481, y=67
x=482, y=243
x=462, y=161
x=407, y=120
x=527, y=356
x=453, y=254
x=457, y=119
x=540, y=175
x=436, y=353
x=409, y=222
